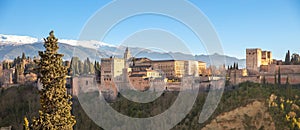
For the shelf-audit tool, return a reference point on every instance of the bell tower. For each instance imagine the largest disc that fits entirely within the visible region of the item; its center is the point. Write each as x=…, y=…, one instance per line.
x=127, y=56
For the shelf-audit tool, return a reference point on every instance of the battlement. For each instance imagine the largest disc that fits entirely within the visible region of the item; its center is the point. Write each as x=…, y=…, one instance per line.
x=255, y=57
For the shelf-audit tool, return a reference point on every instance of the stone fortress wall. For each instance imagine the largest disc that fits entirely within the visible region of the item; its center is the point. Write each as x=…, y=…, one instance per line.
x=261, y=67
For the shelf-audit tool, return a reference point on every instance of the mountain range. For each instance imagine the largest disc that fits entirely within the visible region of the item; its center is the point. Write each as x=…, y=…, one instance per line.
x=12, y=46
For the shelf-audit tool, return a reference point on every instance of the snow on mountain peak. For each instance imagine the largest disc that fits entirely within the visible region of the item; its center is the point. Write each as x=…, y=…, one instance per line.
x=14, y=39
x=19, y=40
x=88, y=44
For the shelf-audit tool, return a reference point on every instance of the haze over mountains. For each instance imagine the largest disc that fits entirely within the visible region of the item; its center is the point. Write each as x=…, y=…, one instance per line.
x=12, y=46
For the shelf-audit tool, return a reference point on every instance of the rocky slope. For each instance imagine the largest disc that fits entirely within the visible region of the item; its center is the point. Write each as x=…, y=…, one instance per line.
x=251, y=116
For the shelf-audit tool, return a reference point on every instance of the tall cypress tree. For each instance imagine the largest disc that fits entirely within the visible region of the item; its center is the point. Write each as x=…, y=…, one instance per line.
x=288, y=87
x=55, y=112
x=279, y=76
x=275, y=79
x=288, y=58
x=85, y=67
x=23, y=56
x=234, y=66
x=80, y=67
x=97, y=69
x=16, y=74
x=74, y=66
x=264, y=80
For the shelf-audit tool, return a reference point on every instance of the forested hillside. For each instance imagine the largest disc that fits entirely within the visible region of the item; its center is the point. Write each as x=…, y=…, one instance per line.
x=17, y=102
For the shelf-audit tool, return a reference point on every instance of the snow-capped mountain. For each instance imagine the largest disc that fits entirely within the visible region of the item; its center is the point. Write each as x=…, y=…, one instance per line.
x=20, y=40
x=88, y=44
x=12, y=46
x=14, y=39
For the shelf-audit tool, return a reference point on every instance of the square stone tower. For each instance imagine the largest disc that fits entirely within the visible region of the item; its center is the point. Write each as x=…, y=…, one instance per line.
x=267, y=58
x=253, y=59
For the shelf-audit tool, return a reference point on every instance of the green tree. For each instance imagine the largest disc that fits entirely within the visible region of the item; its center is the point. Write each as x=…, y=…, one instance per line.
x=16, y=74
x=288, y=87
x=288, y=58
x=6, y=65
x=97, y=69
x=75, y=66
x=275, y=78
x=234, y=66
x=88, y=63
x=279, y=76
x=80, y=67
x=287, y=80
x=85, y=67
x=30, y=68
x=88, y=67
x=19, y=71
x=92, y=69
x=23, y=56
x=264, y=81
x=55, y=112
x=295, y=59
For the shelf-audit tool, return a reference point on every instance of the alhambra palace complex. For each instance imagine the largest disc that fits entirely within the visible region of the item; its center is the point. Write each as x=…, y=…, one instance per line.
x=144, y=74
x=141, y=74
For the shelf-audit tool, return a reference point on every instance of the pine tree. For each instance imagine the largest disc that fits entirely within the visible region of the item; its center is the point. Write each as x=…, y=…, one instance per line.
x=55, y=112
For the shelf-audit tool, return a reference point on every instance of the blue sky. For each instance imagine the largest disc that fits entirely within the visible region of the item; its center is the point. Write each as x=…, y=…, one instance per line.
x=269, y=24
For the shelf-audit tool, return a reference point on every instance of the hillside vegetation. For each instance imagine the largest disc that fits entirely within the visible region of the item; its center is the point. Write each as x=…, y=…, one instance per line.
x=17, y=102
